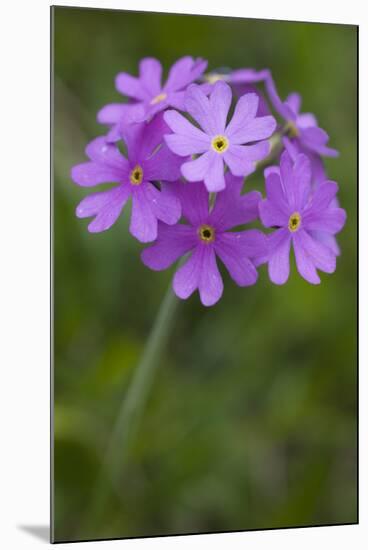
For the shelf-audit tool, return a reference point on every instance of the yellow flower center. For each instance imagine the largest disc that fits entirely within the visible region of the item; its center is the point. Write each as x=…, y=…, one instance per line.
x=158, y=99
x=211, y=78
x=220, y=144
x=136, y=175
x=294, y=222
x=206, y=233
x=291, y=129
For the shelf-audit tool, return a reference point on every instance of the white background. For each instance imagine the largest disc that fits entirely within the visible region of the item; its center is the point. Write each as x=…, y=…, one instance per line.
x=24, y=271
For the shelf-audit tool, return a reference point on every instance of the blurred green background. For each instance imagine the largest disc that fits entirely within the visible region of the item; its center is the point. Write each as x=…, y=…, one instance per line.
x=251, y=420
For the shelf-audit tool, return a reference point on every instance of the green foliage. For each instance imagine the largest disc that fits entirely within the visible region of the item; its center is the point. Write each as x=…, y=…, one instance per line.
x=251, y=422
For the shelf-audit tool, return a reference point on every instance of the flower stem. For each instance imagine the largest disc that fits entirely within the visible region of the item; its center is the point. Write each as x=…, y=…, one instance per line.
x=131, y=410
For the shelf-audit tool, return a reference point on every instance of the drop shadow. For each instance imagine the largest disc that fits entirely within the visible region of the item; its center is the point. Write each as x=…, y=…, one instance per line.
x=41, y=532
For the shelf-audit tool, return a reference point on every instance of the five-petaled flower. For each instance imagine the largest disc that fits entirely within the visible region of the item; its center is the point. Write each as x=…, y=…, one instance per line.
x=298, y=211
x=146, y=93
x=305, y=136
x=217, y=142
x=149, y=160
x=207, y=236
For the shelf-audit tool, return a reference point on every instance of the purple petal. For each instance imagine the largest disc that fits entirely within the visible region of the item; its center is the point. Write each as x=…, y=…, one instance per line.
x=143, y=138
x=274, y=189
x=143, y=222
x=258, y=151
x=89, y=174
x=274, y=211
x=232, y=209
x=106, y=206
x=187, y=139
x=235, y=249
x=243, y=89
x=318, y=169
x=327, y=239
x=194, y=201
x=163, y=165
x=185, y=145
x=155, y=108
x=153, y=135
x=183, y=72
x=237, y=161
x=195, y=170
x=150, y=71
x=257, y=129
x=114, y=134
x=252, y=243
x=279, y=256
x=199, y=66
x=323, y=195
x=198, y=106
x=165, y=205
x=241, y=270
x=200, y=271
x=133, y=113
x=302, y=175
x=272, y=170
x=220, y=101
x=172, y=243
x=271, y=214
x=241, y=159
x=186, y=279
x=102, y=152
x=206, y=88
x=210, y=282
x=295, y=180
x=132, y=135
x=294, y=101
x=112, y=113
x=332, y=220
x=248, y=76
x=291, y=147
x=176, y=100
x=214, y=178
x=322, y=256
x=245, y=112
x=304, y=261
x=131, y=86
x=315, y=138
x=287, y=178
x=306, y=120
x=282, y=108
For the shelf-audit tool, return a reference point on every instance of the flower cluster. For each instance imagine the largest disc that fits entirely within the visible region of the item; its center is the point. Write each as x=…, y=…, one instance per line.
x=182, y=150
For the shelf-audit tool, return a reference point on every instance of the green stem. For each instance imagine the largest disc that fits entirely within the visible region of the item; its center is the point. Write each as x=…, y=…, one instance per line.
x=131, y=410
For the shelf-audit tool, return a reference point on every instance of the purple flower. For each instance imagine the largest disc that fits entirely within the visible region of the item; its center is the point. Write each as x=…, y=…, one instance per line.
x=318, y=177
x=304, y=133
x=148, y=160
x=146, y=93
x=207, y=236
x=215, y=142
x=299, y=211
